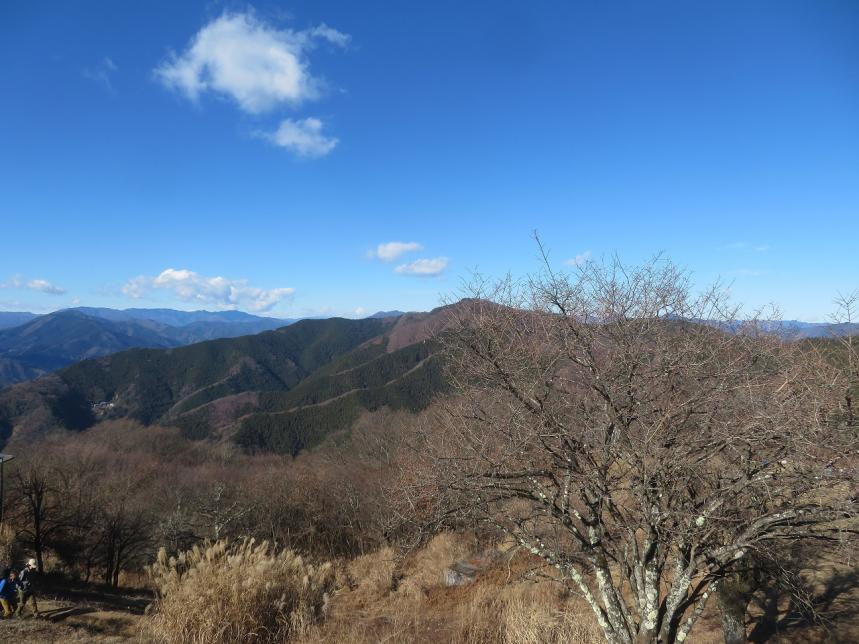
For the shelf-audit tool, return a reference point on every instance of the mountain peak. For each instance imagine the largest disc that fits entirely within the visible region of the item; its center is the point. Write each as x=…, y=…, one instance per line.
x=387, y=314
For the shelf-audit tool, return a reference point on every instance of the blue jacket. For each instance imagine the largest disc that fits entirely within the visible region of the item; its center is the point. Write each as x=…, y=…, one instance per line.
x=8, y=588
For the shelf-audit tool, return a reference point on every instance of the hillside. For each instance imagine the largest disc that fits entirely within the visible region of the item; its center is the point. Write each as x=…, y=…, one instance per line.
x=40, y=344
x=8, y=319
x=282, y=390
x=59, y=339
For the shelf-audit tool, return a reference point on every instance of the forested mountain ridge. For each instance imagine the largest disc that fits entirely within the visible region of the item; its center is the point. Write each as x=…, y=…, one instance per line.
x=281, y=390
x=40, y=344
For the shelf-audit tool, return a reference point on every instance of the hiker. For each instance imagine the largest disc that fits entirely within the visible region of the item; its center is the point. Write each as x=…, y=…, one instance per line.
x=8, y=592
x=26, y=588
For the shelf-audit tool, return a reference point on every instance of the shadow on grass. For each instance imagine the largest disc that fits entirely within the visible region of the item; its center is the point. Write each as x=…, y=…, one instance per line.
x=59, y=614
x=102, y=596
x=834, y=607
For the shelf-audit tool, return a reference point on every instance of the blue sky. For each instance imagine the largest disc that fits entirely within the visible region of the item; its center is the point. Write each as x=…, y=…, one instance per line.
x=256, y=156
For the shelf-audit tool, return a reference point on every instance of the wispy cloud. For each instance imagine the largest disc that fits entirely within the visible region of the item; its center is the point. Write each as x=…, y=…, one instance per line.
x=101, y=73
x=390, y=251
x=303, y=137
x=741, y=245
x=331, y=35
x=249, y=61
x=220, y=292
x=43, y=286
x=423, y=267
x=579, y=259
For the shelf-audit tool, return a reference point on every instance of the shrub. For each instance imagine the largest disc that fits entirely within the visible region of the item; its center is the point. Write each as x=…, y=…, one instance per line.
x=238, y=592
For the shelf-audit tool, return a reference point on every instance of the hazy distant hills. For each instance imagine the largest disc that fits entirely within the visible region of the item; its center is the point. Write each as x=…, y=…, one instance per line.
x=796, y=330
x=10, y=319
x=43, y=343
x=281, y=390
x=172, y=317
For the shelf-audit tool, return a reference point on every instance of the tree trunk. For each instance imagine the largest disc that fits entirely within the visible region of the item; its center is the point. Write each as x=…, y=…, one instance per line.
x=37, y=543
x=647, y=636
x=40, y=565
x=733, y=597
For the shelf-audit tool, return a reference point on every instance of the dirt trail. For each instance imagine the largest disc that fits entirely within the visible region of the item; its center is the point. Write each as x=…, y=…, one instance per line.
x=74, y=613
x=74, y=623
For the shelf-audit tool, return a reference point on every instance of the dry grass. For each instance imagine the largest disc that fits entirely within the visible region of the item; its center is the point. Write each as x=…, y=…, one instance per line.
x=384, y=597
x=423, y=570
x=523, y=613
x=243, y=592
x=389, y=600
x=370, y=576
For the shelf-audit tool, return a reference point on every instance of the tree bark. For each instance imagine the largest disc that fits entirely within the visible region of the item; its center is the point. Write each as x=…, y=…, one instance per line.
x=733, y=597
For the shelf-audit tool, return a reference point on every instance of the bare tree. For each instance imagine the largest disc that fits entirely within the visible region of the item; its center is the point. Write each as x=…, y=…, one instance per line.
x=219, y=510
x=847, y=315
x=175, y=529
x=39, y=509
x=123, y=524
x=49, y=501
x=629, y=432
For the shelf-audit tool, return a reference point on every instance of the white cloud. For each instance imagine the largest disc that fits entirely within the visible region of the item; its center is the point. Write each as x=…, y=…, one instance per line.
x=423, y=267
x=359, y=312
x=579, y=259
x=331, y=35
x=101, y=73
x=219, y=292
x=43, y=286
x=137, y=287
x=392, y=250
x=303, y=137
x=257, y=65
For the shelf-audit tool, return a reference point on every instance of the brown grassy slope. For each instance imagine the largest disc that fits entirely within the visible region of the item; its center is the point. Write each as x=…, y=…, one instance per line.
x=388, y=599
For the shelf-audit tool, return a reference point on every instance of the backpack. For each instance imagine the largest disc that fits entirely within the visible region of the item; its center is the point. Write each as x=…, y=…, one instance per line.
x=24, y=581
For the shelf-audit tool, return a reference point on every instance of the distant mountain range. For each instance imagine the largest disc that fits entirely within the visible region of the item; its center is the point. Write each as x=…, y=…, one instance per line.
x=32, y=345
x=791, y=329
x=283, y=390
x=796, y=330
